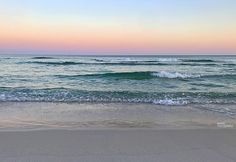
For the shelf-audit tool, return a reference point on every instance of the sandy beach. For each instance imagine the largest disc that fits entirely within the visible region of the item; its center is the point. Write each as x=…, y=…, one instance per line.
x=61, y=132
x=116, y=145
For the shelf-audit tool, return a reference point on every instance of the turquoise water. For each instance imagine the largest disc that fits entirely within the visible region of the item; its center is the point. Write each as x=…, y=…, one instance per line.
x=161, y=80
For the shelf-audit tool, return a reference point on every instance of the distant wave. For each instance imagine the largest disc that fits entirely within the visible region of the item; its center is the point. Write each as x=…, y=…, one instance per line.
x=133, y=63
x=126, y=63
x=56, y=63
x=211, y=85
x=98, y=60
x=196, y=64
x=69, y=95
x=42, y=57
x=96, y=63
x=198, y=60
x=230, y=65
x=223, y=76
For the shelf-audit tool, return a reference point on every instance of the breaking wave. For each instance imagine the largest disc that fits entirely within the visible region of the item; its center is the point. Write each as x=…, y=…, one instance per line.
x=69, y=95
x=136, y=75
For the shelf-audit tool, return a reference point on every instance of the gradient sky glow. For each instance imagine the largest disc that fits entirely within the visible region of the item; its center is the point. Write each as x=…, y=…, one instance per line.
x=118, y=26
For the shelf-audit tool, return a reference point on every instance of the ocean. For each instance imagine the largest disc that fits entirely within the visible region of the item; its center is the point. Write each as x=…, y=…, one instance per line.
x=175, y=80
x=164, y=81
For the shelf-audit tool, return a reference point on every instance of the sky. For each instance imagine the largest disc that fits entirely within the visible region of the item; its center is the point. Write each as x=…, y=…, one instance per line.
x=118, y=27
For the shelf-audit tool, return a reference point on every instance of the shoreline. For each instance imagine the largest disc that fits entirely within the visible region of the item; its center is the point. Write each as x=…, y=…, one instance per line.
x=74, y=116
x=116, y=129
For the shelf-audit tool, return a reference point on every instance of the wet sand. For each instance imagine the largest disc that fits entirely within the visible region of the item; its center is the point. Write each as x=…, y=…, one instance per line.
x=42, y=115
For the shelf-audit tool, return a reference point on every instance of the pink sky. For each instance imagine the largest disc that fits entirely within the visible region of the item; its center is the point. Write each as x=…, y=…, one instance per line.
x=27, y=28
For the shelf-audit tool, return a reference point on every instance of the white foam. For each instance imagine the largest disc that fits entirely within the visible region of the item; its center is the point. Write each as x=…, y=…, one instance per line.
x=170, y=102
x=224, y=125
x=171, y=75
x=168, y=59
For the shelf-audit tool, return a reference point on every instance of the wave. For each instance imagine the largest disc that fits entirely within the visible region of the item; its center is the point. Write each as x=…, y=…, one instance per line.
x=172, y=75
x=98, y=60
x=230, y=64
x=198, y=60
x=123, y=75
x=132, y=63
x=145, y=75
x=196, y=64
x=42, y=57
x=69, y=95
x=56, y=63
x=221, y=76
x=135, y=75
x=124, y=63
x=97, y=63
x=168, y=59
x=211, y=85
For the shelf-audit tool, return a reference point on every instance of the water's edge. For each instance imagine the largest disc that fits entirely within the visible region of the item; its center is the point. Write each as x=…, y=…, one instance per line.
x=48, y=115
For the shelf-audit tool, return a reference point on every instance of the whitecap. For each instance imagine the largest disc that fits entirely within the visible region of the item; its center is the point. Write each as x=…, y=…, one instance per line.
x=168, y=59
x=172, y=75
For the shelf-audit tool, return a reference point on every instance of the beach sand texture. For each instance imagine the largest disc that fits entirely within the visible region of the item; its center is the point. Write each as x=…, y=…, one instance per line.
x=118, y=145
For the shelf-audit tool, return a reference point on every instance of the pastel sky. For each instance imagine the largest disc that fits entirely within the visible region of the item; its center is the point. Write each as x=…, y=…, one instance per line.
x=118, y=26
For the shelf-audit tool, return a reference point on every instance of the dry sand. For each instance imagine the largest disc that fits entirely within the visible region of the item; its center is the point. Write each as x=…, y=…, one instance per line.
x=119, y=145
